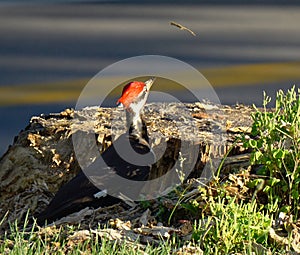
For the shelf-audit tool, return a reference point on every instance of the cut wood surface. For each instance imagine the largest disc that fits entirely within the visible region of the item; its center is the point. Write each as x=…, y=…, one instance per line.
x=42, y=156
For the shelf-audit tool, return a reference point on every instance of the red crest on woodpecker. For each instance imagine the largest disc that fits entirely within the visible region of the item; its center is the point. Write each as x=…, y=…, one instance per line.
x=131, y=92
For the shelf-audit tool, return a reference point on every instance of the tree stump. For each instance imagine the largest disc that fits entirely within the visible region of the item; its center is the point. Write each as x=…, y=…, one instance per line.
x=42, y=157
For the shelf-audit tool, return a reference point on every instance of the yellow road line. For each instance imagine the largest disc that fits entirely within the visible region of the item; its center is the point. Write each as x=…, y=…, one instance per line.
x=253, y=74
x=65, y=91
x=56, y=92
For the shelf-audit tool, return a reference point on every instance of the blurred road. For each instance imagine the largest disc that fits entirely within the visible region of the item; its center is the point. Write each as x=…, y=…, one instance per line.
x=49, y=51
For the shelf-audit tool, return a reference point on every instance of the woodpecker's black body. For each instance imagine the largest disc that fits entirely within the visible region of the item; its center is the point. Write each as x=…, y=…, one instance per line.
x=80, y=192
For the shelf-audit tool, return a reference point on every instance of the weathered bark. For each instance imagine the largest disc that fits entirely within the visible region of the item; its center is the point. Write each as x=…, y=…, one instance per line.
x=42, y=156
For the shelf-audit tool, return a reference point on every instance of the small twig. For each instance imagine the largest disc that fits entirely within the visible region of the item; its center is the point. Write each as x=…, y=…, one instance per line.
x=225, y=157
x=180, y=199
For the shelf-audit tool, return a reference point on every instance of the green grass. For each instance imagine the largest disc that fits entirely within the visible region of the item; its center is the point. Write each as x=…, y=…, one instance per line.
x=275, y=145
x=231, y=227
x=225, y=227
x=59, y=241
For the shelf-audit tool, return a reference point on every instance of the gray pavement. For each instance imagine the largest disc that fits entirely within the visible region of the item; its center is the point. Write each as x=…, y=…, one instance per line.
x=50, y=42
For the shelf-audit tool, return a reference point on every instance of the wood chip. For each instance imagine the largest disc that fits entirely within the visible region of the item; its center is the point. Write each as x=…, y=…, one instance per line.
x=144, y=219
x=181, y=27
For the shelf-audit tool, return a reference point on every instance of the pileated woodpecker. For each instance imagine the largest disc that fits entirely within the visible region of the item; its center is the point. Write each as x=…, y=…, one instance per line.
x=80, y=192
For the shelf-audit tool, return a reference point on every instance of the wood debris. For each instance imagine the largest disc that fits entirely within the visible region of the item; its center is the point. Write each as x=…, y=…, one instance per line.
x=181, y=27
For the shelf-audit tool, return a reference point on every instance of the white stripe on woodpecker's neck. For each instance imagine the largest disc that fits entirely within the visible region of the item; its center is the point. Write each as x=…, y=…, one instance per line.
x=134, y=122
x=134, y=110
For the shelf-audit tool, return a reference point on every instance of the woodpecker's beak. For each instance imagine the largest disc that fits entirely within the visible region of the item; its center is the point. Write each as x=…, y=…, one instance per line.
x=149, y=83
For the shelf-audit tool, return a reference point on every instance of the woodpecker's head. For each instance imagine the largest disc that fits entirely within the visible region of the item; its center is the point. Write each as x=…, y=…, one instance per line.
x=135, y=94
